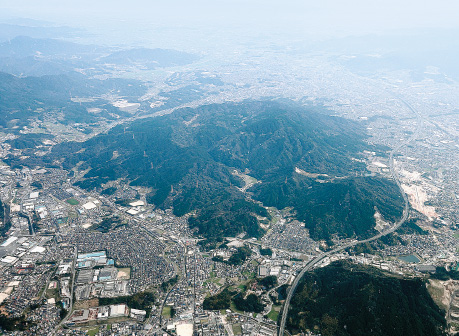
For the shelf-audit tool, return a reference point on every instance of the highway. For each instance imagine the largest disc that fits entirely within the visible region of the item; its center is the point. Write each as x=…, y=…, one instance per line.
x=72, y=286
x=402, y=220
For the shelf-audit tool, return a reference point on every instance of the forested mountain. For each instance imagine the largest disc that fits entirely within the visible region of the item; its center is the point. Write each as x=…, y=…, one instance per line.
x=150, y=58
x=11, y=30
x=346, y=206
x=347, y=299
x=23, y=46
x=22, y=98
x=189, y=158
x=27, y=56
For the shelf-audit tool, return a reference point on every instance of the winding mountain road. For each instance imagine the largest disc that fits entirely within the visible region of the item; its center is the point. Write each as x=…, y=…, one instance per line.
x=402, y=220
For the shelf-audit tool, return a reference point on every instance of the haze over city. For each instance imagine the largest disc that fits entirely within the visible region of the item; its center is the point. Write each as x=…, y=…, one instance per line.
x=198, y=168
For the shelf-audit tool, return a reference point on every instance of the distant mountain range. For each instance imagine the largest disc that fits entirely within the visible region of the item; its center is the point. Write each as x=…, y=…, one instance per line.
x=150, y=58
x=15, y=28
x=27, y=56
x=42, y=78
x=24, y=46
x=21, y=98
x=302, y=157
x=427, y=54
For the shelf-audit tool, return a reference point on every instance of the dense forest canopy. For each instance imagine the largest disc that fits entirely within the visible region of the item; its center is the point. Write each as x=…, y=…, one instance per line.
x=219, y=301
x=347, y=299
x=189, y=159
x=22, y=98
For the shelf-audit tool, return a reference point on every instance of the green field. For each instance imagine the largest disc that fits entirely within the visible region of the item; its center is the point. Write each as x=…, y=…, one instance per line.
x=242, y=287
x=237, y=330
x=166, y=312
x=249, y=275
x=72, y=201
x=93, y=332
x=456, y=235
x=52, y=293
x=273, y=315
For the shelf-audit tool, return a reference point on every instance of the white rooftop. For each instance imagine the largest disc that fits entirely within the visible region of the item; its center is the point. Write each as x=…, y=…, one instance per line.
x=117, y=310
x=138, y=311
x=34, y=194
x=136, y=203
x=89, y=206
x=9, y=259
x=9, y=241
x=3, y=296
x=132, y=211
x=38, y=249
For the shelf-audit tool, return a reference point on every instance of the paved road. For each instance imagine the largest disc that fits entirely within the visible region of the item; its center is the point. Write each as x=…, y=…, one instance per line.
x=402, y=220
x=72, y=286
x=48, y=279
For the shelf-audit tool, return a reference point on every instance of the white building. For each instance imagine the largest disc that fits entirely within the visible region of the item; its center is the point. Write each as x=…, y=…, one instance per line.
x=119, y=310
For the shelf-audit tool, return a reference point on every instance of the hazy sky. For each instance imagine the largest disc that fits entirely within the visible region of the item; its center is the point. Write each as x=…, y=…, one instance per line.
x=300, y=18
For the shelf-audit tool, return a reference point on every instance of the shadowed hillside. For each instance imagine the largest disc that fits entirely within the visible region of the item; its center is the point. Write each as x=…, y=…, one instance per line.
x=189, y=158
x=347, y=299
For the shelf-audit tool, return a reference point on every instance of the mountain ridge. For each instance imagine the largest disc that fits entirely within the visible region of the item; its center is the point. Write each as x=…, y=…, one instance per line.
x=188, y=158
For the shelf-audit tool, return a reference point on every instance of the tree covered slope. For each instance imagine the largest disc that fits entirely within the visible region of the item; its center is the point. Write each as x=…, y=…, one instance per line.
x=23, y=100
x=189, y=158
x=347, y=299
